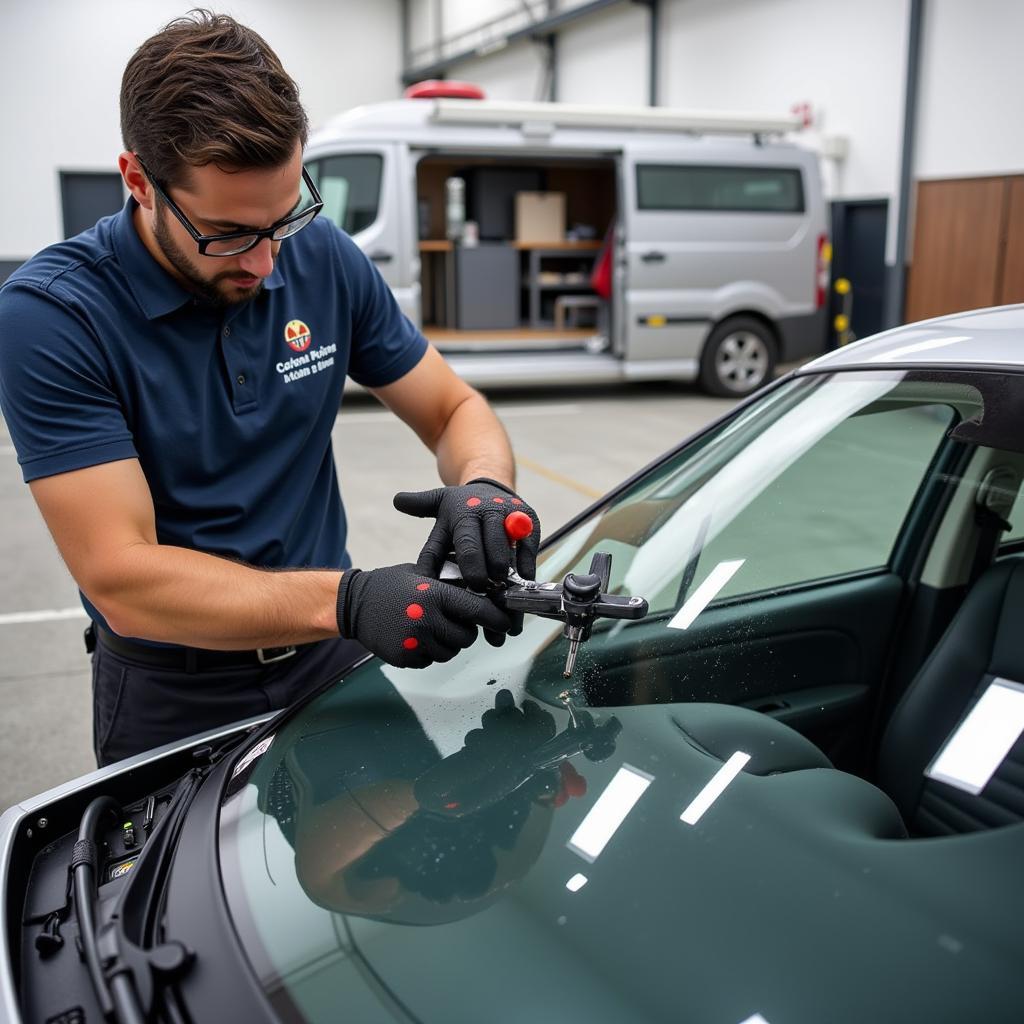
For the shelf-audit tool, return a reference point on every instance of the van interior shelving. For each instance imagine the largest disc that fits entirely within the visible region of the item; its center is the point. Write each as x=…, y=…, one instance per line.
x=507, y=292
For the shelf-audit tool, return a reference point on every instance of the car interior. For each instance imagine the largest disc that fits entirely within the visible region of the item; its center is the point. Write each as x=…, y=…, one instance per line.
x=878, y=668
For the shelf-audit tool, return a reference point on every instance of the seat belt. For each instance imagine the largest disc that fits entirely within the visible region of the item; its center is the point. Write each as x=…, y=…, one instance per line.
x=996, y=494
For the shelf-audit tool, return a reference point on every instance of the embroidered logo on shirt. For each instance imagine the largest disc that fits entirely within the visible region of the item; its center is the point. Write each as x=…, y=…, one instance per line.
x=297, y=336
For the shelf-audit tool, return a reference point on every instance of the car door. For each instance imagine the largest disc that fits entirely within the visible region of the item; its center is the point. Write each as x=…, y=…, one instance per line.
x=362, y=189
x=770, y=554
x=711, y=230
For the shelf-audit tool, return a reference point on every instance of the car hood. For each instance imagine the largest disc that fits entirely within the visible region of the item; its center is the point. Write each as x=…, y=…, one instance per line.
x=493, y=855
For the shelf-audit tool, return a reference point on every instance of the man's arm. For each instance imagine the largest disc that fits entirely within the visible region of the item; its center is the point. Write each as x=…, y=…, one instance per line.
x=453, y=420
x=103, y=522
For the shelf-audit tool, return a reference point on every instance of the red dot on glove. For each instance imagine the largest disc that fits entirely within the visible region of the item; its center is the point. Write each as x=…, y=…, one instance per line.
x=517, y=501
x=473, y=502
x=422, y=586
x=410, y=643
x=414, y=611
x=499, y=501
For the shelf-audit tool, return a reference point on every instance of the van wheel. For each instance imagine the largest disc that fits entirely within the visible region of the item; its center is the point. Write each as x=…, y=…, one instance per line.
x=738, y=357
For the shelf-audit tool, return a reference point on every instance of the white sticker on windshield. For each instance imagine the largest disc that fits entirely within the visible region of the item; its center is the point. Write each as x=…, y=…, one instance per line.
x=258, y=751
x=972, y=754
x=705, y=594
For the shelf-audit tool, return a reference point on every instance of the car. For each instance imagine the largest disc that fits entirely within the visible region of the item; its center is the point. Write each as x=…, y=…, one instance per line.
x=782, y=782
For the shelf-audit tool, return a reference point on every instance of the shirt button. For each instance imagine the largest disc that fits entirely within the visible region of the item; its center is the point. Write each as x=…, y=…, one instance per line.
x=227, y=332
x=240, y=378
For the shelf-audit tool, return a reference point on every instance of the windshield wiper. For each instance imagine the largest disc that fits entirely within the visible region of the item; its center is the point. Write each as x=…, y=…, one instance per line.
x=127, y=959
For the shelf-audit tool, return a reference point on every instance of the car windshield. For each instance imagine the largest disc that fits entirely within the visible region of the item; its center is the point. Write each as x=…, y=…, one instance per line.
x=486, y=840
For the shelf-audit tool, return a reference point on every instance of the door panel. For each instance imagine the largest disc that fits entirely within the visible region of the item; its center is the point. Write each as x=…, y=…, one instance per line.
x=709, y=235
x=957, y=246
x=1012, y=285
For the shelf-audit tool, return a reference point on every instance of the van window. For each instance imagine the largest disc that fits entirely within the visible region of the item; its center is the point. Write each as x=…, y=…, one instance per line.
x=350, y=188
x=737, y=189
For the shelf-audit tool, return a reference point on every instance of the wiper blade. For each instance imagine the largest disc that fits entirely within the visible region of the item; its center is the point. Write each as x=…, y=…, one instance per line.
x=127, y=958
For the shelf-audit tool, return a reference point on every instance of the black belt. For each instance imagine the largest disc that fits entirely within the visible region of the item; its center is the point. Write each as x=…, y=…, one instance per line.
x=195, y=659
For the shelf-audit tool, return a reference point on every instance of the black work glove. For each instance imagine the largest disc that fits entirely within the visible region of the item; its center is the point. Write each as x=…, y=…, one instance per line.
x=471, y=521
x=410, y=620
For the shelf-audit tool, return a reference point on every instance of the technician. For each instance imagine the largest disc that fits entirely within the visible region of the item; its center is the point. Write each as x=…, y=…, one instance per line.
x=170, y=379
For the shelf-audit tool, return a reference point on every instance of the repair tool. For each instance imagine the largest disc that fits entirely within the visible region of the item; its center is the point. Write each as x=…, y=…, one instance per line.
x=577, y=601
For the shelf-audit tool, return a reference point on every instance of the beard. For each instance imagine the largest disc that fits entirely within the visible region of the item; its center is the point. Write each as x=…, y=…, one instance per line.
x=208, y=288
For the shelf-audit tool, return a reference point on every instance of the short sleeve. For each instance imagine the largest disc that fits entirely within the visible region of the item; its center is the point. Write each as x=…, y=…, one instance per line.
x=385, y=343
x=56, y=391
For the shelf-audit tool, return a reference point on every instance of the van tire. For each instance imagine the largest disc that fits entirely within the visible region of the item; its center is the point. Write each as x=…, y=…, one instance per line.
x=738, y=358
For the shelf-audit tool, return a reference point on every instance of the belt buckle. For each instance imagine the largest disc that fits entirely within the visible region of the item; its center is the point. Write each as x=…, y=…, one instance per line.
x=266, y=658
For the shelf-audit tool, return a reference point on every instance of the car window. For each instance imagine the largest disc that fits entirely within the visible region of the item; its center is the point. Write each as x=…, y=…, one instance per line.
x=816, y=488
x=350, y=188
x=738, y=189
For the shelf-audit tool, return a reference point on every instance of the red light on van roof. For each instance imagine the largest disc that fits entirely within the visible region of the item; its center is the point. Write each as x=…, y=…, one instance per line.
x=435, y=89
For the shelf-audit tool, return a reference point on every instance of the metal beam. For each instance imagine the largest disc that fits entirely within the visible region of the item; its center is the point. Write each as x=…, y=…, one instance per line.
x=536, y=30
x=653, y=47
x=896, y=283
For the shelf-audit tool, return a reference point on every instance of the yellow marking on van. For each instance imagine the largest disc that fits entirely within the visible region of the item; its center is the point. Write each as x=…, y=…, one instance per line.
x=657, y=320
x=556, y=477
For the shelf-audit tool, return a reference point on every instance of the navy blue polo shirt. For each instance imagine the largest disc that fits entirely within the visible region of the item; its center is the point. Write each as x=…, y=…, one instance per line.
x=104, y=356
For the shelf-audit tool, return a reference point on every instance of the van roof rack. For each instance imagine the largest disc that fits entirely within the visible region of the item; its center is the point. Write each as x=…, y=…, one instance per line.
x=540, y=118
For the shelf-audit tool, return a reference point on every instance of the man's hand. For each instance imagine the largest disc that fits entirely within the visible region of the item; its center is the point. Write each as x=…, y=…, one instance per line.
x=410, y=620
x=471, y=521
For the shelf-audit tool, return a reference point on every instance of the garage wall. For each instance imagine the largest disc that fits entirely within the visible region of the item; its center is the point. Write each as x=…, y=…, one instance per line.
x=604, y=58
x=972, y=84
x=60, y=71
x=846, y=60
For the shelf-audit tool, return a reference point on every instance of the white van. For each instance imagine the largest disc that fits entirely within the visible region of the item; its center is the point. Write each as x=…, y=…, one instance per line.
x=712, y=231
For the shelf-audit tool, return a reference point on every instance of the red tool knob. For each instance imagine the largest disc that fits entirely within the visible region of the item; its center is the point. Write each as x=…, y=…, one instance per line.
x=518, y=526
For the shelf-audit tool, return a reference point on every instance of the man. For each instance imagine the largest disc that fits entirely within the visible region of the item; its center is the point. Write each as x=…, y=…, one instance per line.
x=170, y=379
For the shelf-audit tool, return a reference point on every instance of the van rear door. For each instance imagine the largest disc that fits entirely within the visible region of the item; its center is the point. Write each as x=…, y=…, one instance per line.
x=711, y=230
x=360, y=187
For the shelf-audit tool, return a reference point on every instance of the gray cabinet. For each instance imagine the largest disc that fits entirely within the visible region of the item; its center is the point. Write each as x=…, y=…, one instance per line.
x=486, y=287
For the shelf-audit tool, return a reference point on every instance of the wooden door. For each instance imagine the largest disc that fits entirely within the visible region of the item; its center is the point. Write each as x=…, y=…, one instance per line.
x=1012, y=284
x=958, y=246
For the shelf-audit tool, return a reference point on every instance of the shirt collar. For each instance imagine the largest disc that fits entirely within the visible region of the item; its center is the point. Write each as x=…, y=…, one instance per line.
x=156, y=292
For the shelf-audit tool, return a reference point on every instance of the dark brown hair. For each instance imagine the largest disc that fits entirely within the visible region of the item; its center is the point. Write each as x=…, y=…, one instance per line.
x=204, y=90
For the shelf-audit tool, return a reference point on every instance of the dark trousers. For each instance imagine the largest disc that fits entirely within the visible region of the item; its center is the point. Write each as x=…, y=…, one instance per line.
x=137, y=707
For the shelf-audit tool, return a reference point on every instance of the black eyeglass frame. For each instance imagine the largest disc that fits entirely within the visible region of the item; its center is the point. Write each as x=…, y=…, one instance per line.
x=257, y=236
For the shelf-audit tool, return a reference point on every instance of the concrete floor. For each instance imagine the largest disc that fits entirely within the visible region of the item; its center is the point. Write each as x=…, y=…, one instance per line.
x=571, y=447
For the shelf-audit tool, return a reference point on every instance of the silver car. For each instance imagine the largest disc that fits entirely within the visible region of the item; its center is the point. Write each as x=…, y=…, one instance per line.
x=792, y=792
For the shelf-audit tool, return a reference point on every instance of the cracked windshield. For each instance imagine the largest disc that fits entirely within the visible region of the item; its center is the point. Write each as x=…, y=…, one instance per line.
x=400, y=800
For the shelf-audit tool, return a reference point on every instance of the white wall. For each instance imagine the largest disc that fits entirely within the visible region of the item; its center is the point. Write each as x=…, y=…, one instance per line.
x=846, y=60
x=60, y=71
x=515, y=73
x=970, y=119
x=604, y=58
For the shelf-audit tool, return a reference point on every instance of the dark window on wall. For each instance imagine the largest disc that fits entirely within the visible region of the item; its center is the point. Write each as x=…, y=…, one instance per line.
x=350, y=188
x=722, y=189
x=86, y=196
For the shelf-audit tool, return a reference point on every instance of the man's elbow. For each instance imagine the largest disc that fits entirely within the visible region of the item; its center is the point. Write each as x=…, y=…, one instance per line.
x=109, y=592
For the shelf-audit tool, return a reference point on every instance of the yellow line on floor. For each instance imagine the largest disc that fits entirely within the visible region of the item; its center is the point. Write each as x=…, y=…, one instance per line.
x=556, y=477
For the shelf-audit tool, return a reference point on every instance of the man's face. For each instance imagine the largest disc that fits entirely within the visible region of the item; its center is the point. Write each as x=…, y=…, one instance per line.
x=217, y=202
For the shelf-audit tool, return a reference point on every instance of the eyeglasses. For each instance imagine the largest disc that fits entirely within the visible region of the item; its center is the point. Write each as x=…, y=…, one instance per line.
x=235, y=242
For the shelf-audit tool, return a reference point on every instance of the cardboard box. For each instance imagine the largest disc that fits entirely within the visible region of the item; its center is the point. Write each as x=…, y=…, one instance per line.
x=540, y=216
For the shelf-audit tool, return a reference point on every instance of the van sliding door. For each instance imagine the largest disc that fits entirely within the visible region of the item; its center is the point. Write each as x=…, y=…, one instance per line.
x=709, y=233
x=361, y=190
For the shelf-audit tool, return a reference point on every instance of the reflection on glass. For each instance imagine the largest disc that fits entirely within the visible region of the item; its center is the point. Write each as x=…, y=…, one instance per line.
x=383, y=827
x=756, y=1019
x=609, y=812
x=576, y=882
x=715, y=788
x=705, y=593
x=977, y=748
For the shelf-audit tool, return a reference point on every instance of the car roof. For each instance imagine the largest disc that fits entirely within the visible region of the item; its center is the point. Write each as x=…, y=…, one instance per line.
x=976, y=338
